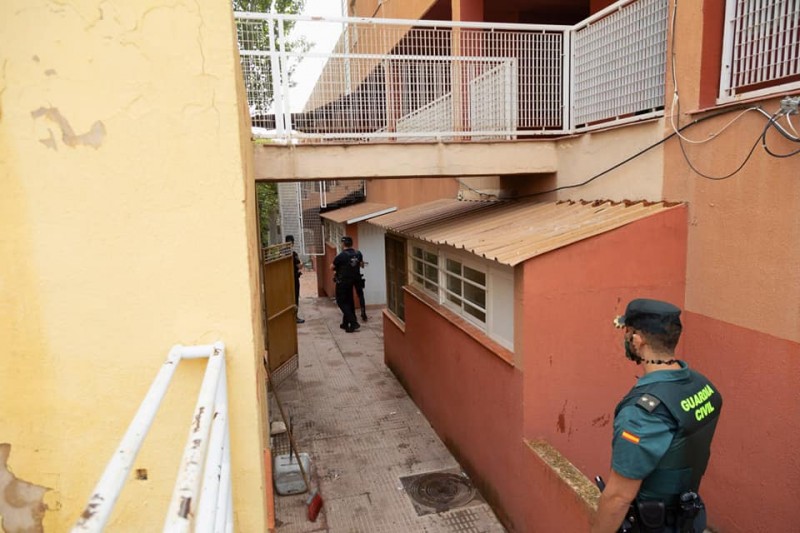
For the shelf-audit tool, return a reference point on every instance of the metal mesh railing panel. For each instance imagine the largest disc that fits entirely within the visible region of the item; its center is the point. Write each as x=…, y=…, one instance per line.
x=312, y=224
x=493, y=101
x=381, y=78
x=291, y=212
x=762, y=44
x=619, y=63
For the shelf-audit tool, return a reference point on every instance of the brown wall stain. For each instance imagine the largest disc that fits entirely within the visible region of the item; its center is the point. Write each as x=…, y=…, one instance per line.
x=94, y=137
x=21, y=503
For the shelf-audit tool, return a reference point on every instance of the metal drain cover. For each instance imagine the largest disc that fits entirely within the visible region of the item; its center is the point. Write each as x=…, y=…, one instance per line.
x=437, y=492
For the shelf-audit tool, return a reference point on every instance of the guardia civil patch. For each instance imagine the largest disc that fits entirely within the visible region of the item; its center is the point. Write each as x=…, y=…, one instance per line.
x=630, y=437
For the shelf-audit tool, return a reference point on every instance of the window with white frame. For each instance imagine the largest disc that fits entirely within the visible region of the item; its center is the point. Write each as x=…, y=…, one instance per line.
x=480, y=291
x=761, y=54
x=425, y=268
x=465, y=289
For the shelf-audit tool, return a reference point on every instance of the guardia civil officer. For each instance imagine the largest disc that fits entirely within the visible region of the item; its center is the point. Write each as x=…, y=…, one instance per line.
x=347, y=271
x=662, y=432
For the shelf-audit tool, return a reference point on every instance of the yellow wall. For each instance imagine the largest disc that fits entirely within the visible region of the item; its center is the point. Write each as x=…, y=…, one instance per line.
x=126, y=226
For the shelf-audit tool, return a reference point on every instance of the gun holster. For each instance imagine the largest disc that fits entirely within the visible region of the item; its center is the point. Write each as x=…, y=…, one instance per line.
x=652, y=516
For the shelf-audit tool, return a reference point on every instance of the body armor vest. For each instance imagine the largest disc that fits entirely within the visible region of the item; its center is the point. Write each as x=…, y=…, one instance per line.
x=349, y=270
x=691, y=408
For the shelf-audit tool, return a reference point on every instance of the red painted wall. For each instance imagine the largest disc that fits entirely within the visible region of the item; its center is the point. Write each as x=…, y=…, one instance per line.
x=470, y=396
x=753, y=481
x=325, y=285
x=575, y=368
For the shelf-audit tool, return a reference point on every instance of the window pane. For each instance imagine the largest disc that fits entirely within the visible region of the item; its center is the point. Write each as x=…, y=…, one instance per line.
x=431, y=258
x=474, y=275
x=417, y=252
x=453, y=266
x=475, y=295
x=454, y=285
x=480, y=315
x=432, y=274
x=418, y=268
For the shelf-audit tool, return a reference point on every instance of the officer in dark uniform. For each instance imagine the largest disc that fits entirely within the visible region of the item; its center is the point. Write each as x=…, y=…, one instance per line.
x=662, y=432
x=298, y=271
x=347, y=271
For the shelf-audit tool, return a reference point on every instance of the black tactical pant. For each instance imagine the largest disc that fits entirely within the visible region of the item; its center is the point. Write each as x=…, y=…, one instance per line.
x=344, y=299
x=359, y=286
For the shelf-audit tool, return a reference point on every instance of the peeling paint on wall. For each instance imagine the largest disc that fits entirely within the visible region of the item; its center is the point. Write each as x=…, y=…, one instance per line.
x=21, y=503
x=94, y=137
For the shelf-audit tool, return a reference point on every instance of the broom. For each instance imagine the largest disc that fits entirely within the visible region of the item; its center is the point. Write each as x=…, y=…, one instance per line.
x=314, y=500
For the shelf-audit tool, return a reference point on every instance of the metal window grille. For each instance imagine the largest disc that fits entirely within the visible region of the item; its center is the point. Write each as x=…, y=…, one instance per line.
x=619, y=64
x=761, y=52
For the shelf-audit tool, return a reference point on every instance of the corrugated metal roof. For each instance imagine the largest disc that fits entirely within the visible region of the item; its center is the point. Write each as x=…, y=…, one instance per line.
x=511, y=232
x=358, y=212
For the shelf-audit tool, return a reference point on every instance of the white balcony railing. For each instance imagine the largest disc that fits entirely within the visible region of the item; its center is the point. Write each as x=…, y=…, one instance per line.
x=202, y=498
x=390, y=79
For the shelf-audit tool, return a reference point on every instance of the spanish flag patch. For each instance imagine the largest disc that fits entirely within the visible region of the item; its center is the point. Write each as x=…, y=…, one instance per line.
x=630, y=437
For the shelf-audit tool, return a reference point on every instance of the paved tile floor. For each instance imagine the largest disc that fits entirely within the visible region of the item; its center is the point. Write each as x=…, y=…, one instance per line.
x=363, y=434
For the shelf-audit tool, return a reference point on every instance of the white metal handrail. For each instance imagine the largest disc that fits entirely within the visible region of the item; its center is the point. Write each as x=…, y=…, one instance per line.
x=202, y=497
x=384, y=75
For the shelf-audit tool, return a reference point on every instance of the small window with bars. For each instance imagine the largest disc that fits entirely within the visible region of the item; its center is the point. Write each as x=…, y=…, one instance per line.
x=425, y=270
x=761, y=48
x=465, y=290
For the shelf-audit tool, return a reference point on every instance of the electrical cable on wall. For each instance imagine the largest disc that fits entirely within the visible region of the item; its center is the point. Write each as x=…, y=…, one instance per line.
x=773, y=123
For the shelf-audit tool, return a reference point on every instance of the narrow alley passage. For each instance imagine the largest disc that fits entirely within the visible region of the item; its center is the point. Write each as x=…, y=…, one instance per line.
x=364, y=434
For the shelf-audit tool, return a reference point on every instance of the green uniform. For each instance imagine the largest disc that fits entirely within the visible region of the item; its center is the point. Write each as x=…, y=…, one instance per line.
x=662, y=433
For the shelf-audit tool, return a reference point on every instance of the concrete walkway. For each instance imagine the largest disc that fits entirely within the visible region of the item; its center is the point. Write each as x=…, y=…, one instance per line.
x=363, y=434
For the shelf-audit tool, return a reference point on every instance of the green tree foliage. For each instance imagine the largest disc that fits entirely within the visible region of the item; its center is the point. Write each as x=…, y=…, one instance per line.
x=259, y=74
x=267, y=197
x=260, y=81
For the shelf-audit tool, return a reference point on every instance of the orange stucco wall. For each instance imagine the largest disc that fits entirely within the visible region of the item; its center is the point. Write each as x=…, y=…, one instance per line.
x=404, y=193
x=742, y=288
x=744, y=236
x=407, y=9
